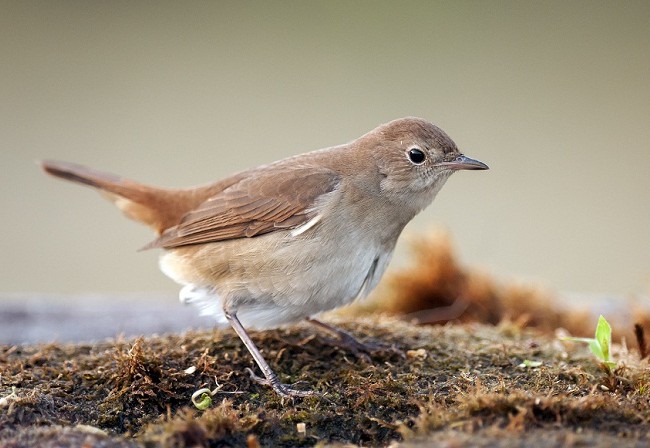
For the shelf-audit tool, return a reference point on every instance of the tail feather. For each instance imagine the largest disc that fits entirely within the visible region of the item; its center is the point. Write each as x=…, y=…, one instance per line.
x=158, y=208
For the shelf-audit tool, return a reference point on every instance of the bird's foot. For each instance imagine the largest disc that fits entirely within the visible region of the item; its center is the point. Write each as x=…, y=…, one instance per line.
x=348, y=342
x=284, y=390
x=364, y=349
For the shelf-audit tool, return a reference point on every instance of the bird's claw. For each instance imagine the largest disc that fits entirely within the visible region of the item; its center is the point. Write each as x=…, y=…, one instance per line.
x=284, y=390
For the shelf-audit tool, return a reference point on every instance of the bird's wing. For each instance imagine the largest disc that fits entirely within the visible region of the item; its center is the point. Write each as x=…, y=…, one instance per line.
x=278, y=197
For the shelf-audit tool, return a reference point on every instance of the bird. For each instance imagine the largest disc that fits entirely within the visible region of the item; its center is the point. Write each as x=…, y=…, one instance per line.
x=286, y=241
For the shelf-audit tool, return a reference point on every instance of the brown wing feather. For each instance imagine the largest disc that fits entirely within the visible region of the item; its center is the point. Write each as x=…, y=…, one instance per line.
x=260, y=203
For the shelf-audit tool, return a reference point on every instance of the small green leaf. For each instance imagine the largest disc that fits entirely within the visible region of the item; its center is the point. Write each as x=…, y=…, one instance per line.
x=202, y=399
x=601, y=343
x=596, y=349
x=204, y=402
x=530, y=364
x=572, y=339
x=604, y=337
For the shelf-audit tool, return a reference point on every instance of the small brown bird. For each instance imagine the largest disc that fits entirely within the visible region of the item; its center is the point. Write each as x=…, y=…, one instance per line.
x=285, y=241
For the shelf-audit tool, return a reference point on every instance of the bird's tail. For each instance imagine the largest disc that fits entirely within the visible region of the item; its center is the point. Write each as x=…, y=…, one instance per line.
x=158, y=208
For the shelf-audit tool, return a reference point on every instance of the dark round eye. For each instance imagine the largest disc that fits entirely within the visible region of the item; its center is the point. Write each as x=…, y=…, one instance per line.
x=416, y=156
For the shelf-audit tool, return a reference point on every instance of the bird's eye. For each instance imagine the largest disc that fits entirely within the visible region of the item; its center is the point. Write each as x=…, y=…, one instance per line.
x=416, y=156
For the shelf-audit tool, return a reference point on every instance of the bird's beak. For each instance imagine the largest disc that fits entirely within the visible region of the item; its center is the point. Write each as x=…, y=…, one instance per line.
x=464, y=163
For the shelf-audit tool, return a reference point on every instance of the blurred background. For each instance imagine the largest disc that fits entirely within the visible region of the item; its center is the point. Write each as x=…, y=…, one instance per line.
x=553, y=95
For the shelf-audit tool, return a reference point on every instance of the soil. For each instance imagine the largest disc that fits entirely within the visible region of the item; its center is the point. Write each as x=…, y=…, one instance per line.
x=453, y=385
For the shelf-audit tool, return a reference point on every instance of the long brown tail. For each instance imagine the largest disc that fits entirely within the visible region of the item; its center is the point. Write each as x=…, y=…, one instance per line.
x=158, y=208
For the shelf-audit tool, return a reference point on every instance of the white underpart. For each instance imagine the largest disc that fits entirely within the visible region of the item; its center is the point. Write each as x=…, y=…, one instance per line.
x=205, y=299
x=306, y=226
x=210, y=304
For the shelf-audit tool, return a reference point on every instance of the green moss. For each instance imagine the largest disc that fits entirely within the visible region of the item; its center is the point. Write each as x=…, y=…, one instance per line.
x=442, y=384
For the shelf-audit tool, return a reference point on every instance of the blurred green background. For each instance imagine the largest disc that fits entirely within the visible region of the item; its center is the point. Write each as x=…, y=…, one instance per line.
x=554, y=96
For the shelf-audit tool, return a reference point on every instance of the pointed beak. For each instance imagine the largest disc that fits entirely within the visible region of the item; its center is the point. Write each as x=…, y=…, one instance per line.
x=464, y=163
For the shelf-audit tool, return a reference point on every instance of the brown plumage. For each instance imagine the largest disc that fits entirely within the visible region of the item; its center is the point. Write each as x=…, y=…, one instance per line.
x=245, y=205
x=288, y=240
x=158, y=208
x=255, y=205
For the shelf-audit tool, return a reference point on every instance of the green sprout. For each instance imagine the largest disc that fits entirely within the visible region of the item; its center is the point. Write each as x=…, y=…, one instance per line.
x=202, y=398
x=601, y=343
x=530, y=364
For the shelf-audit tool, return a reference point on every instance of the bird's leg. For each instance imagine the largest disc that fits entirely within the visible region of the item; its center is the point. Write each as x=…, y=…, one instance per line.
x=271, y=378
x=345, y=339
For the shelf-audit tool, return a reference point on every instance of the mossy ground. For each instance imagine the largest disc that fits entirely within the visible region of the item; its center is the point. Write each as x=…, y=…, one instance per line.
x=454, y=384
x=457, y=384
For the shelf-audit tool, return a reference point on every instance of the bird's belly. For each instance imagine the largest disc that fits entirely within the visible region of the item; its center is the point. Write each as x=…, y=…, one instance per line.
x=276, y=279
